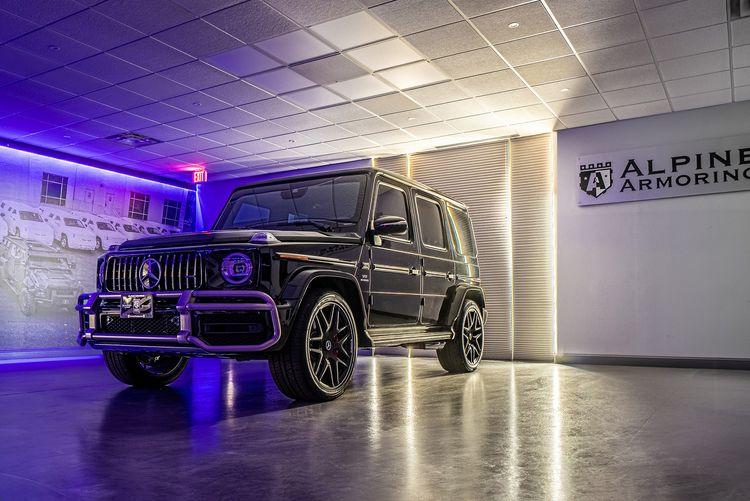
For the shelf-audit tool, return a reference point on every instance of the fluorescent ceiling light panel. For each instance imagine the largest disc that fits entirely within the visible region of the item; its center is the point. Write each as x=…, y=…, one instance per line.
x=384, y=55
x=295, y=47
x=352, y=31
x=361, y=87
x=413, y=75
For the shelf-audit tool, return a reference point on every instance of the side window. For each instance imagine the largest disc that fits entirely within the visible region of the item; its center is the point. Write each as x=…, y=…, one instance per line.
x=430, y=223
x=461, y=233
x=391, y=201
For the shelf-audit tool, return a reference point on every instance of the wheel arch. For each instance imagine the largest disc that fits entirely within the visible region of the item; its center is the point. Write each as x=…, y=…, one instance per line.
x=460, y=295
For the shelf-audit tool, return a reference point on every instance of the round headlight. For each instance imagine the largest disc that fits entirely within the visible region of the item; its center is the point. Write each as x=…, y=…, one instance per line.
x=236, y=268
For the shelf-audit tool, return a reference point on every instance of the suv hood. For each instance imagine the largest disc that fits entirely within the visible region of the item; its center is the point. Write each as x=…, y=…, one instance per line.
x=220, y=237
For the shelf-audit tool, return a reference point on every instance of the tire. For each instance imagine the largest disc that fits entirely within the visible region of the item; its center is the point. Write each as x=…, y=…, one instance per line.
x=64, y=241
x=28, y=306
x=464, y=352
x=145, y=370
x=98, y=243
x=318, y=360
x=17, y=232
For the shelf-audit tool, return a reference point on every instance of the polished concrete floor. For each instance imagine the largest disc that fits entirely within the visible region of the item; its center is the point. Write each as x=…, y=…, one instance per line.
x=404, y=430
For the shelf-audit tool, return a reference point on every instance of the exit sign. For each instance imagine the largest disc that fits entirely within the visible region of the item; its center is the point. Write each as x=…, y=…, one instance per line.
x=200, y=176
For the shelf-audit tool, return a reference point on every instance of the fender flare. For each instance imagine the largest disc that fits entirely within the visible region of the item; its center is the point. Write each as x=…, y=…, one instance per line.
x=459, y=297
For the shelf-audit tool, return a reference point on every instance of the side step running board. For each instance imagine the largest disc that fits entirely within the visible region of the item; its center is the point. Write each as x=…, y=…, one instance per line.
x=397, y=337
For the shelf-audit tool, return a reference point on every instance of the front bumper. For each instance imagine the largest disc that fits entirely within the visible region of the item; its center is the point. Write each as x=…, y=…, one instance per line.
x=184, y=309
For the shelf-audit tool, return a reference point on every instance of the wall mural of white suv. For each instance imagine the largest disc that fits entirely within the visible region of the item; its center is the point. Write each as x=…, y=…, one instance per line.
x=56, y=219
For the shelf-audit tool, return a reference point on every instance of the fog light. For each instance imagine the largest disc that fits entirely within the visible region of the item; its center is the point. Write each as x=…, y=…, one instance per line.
x=236, y=268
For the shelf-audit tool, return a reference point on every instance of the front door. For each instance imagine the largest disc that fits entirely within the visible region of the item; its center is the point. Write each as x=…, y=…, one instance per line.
x=394, y=264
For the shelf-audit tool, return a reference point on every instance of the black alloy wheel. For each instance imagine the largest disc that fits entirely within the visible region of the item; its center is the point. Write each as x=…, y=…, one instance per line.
x=464, y=352
x=150, y=370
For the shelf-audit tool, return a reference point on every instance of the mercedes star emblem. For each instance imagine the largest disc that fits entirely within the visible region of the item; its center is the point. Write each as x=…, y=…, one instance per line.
x=150, y=273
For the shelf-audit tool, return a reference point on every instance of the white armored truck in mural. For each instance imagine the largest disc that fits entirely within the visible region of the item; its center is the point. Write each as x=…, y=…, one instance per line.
x=106, y=233
x=26, y=222
x=70, y=230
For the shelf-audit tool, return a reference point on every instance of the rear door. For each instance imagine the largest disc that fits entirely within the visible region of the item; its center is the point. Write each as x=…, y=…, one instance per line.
x=394, y=262
x=436, y=258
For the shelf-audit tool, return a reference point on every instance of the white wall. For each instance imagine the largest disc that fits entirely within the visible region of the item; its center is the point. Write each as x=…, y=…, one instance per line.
x=667, y=277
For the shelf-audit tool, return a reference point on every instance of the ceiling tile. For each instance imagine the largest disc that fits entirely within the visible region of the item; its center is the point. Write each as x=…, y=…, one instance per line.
x=160, y=112
x=352, y=30
x=314, y=97
x=52, y=116
x=251, y=21
x=457, y=109
x=330, y=69
x=350, y=144
x=587, y=118
x=530, y=18
x=196, y=103
x=524, y=114
x=198, y=38
x=86, y=108
x=164, y=149
x=437, y=94
x=699, y=84
x=470, y=63
x=535, y=48
x=127, y=121
x=389, y=137
x=71, y=80
x=650, y=4
x=413, y=75
x=225, y=152
x=408, y=16
x=280, y=80
x=242, y=61
x=431, y=130
x=575, y=105
x=237, y=93
x=315, y=11
x=477, y=122
x=156, y=87
x=42, y=11
x=552, y=70
x=53, y=46
x=615, y=58
x=96, y=30
x=295, y=47
x=263, y=130
x=741, y=31
x=702, y=100
x=392, y=103
x=566, y=89
x=195, y=157
x=741, y=56
x=634, y=95
x=203, y=7
x=118, y=97
x=446, y=40
x=628, y=77
x=162, y=14
x=474, y=8
x=12, y=26
x=642, y=109
x=316, y=149
x=272, y=108
x=292, y=140
x=368, y=126
x=109, y=68
x=507, y=100
x=411, y=118
x=683, y=16
x=197, y=75
x=606, y=33
x=699, y=64
x=570, y=12
x=343, y=113
x=151, y=54
x=490, y=83
x=386, y=54
x=690, y=42
x=13, y=127
x=329, y=133
x=196, y=143
x=196, y=125
x=23, y=63
x=301, y=121
x=35, y=92
x=361, y=87
x=228, y=136
x=163, y=132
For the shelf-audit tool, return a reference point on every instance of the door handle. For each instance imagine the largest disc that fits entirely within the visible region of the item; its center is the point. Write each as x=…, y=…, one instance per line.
x=413, y=271
x=450, y=276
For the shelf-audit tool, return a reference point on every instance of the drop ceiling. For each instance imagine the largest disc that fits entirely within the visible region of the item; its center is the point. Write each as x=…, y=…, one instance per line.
x=243, y=87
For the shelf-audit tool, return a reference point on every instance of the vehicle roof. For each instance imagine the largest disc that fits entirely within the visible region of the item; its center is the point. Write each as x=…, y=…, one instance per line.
x=315, y=172
x=22, y=205
x=37, y=247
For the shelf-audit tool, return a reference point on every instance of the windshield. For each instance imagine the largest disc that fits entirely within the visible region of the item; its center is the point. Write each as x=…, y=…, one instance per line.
x=130, y=228
x=105, y=226
x=30, y=216
x=153, y=231
x=48, y=262
x=330, y=204
x=69, y=221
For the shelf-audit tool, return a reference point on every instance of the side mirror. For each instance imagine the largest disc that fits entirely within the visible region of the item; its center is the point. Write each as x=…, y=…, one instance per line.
x=390, y=225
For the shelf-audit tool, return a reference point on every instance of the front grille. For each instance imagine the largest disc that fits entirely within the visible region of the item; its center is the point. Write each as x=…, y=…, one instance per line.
x=179, y=271
x=160, y=324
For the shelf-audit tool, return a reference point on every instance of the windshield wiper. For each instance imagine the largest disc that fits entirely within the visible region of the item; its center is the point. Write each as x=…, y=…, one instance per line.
x=322, y=226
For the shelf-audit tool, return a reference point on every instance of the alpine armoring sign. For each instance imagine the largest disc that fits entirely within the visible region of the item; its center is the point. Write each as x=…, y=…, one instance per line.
x=678, y=170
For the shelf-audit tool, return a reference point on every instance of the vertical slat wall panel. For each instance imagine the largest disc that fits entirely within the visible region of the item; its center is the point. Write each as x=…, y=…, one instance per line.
x=478, y=176
x=533, y=247
x=394, y=164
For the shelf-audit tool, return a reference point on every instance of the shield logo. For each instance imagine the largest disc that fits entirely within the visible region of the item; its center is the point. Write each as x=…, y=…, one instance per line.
x=595, y=179
x=150, y=273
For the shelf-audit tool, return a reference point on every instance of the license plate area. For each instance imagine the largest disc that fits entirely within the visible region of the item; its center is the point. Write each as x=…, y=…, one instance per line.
x=137, y=306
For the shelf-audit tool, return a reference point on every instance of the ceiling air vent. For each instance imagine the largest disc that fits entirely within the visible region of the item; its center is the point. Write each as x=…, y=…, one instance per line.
x=133, y=139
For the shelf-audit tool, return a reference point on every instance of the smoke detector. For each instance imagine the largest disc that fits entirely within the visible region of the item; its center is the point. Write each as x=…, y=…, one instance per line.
x=133, y=139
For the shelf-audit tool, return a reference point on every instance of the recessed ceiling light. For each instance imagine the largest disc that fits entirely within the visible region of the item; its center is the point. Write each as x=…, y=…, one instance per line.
x=565, y=89
x=197, y=104
x=53, y=48
x=411, y=119
x=513, y=26
x=133, y=139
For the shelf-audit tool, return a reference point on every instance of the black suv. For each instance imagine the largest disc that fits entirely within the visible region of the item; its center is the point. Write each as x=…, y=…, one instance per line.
x=301, y=270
